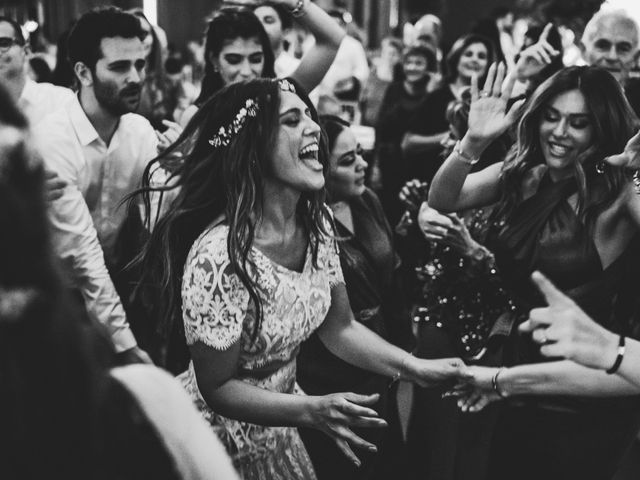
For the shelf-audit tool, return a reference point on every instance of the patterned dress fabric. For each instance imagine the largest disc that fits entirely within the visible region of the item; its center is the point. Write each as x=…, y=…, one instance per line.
x=218, y=312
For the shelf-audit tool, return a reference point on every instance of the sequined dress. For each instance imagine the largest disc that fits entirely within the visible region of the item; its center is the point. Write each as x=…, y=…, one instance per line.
x=218, y=312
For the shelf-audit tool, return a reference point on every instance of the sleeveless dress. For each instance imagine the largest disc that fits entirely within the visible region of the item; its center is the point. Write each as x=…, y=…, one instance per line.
x=218, y=312
x=556, y=437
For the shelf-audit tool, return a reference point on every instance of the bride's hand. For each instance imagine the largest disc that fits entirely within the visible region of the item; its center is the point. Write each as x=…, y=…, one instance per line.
x=630, y=157
x=488, y=114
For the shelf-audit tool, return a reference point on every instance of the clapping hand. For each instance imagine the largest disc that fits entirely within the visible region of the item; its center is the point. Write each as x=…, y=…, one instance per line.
x=448, y=229
x=536, y=57
x=630, y=157
x=564, y=330
x=488, y=114
x=335, y=414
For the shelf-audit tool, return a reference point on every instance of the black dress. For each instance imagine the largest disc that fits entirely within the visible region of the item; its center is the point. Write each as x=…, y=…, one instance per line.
x=561, y=437
x=369, y=264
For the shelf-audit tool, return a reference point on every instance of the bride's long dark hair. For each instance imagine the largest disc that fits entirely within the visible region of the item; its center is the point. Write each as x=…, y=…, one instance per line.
x=213, y=183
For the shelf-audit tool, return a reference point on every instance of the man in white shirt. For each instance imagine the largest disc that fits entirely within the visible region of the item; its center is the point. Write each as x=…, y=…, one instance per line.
x=36, y=100
x=100, y=149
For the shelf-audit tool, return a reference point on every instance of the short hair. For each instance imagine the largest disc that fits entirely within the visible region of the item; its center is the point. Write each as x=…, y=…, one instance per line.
x=332, y=126
x=619, y=15
x=422, y=51
x=17, y=30
x=88, y=32
x=286, y=19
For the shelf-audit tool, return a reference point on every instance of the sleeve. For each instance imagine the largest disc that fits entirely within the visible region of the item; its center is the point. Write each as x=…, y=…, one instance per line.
x=75, y=241
x=214, y=300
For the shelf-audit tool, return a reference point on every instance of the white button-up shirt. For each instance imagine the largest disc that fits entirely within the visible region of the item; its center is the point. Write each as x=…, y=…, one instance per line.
x=86, y=219
x=38, y=100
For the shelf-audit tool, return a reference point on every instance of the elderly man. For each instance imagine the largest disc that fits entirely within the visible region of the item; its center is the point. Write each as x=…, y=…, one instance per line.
x=611, y=40
x=36, y=100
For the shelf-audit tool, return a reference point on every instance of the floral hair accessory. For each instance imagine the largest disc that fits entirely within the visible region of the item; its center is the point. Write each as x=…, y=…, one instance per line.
x=224, y=135
x=286, y=86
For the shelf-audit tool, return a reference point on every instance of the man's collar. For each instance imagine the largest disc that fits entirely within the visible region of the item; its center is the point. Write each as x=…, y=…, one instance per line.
x=81, y=124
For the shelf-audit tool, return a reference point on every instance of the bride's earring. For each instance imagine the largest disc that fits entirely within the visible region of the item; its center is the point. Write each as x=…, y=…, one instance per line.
x=600, y=167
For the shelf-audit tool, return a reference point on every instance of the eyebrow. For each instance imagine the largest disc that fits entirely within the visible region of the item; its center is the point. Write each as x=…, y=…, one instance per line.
x=294, y=110
x=549, y=107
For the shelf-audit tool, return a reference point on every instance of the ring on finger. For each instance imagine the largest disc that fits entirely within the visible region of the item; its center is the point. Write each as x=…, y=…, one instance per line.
x=543, y=338
x=484, y=94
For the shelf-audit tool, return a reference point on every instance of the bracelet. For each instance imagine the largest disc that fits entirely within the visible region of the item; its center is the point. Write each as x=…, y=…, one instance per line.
x=398, y=375
x=298, y=10
x=465, y=157
x=496, y=386
x=621, y=349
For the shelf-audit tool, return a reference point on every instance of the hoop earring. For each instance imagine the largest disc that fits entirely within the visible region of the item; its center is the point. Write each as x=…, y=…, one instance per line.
x=600, y=167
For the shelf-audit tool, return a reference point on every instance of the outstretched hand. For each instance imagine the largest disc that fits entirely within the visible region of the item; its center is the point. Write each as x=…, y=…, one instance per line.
x=488, y=114
x=430, y=373
x=630, y=156
x=536, y=57
x=475, y=390
x=336, y=413
x=564, y=330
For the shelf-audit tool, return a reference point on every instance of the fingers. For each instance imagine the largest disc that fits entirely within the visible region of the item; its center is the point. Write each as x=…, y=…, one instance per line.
x=491, y=75
x=497, y=84
x=475, y=94
x=551, y=294
x=514, y=112
x=357, y=410
x=507, y=89
x=345, y=433
x=361, y=399
x=346, y=450
x=545, y=32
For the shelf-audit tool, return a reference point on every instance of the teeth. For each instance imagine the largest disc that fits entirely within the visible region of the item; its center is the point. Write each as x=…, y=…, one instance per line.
x=559, y=150
x=309, y=149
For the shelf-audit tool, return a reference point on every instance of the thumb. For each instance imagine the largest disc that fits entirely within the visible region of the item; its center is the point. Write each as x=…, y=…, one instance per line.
x=551, y=294
x=514, y=112
x=619, y=160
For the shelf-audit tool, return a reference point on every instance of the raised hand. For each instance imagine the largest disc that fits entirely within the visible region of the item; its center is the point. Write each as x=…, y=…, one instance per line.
x=447, y=229
x=536, y=57
x=488, y=114
x=564, y=330
x=334, y=415
x=630, y=157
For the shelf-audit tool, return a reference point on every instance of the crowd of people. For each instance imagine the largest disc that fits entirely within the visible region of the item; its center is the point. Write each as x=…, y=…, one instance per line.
x=206, y=276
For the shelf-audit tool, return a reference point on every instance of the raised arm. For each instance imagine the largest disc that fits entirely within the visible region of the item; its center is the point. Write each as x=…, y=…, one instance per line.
x=453, y=189
x=328, y=36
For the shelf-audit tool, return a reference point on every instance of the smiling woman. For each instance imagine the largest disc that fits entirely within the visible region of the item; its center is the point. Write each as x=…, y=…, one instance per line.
x=561, y=210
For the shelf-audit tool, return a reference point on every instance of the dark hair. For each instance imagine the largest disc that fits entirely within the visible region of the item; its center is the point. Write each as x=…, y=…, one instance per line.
x=154, y=64
x=105, y=22
x=613, y=123
x=332, y=127
x=40, y=68
x=212, y=183
x=63, y=74
x=458, y=48
x=228, y=24
x=43, y=346
x=286, y=19
x=422, y=51
x=17, y=30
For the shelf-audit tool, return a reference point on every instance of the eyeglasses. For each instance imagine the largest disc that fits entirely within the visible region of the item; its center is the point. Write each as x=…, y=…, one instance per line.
x=6, y=43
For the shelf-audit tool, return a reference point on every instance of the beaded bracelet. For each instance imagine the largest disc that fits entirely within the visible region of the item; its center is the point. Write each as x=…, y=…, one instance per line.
x=298, y=10
x=621, y=349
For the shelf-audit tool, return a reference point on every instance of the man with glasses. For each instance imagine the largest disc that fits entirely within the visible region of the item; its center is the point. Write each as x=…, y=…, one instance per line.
x=35, y=99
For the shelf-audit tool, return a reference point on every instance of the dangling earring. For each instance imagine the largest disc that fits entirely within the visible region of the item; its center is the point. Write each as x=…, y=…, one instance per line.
x=600, y=167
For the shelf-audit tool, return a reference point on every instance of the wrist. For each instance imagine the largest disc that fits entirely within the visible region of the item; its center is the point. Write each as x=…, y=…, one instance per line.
x=473, y=146
x=497, y=386
x=306, y=413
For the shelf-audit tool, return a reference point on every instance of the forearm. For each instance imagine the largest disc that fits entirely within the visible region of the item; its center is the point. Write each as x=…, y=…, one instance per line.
x=325, y=29
x=414, y=143
x=356, y=344
x=447, y=184
x=563, y=378
x=245, y=402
